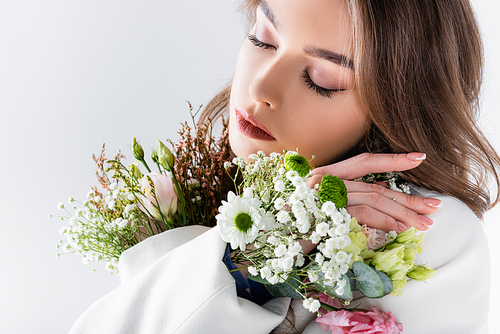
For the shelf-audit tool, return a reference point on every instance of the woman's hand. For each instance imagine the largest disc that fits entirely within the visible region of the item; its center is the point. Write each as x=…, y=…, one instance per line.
x=375, y=205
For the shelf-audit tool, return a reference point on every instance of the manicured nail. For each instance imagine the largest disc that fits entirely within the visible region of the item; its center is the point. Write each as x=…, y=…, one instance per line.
x=416, y=156
x=402, y=227
x=433, y=202
x=425, y=220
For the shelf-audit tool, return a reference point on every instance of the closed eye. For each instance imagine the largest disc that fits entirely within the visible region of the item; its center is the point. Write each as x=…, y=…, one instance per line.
x=318, y=89
x=255, y=41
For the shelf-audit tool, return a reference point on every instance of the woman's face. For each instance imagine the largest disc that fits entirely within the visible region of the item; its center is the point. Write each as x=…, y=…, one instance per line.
x=294, y=83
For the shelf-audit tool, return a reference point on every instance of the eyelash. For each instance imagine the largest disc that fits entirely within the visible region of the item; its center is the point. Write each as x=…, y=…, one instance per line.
x=318, y=89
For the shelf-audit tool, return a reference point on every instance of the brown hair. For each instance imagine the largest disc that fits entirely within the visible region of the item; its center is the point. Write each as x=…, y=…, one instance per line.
x=418, y=68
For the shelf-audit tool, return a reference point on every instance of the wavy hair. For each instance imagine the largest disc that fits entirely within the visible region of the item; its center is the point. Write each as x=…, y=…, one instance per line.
x=418, y=69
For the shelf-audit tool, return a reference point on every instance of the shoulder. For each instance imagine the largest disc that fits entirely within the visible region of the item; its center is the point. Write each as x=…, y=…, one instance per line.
x=456, y=247
x=457, y=233
x=137, y=258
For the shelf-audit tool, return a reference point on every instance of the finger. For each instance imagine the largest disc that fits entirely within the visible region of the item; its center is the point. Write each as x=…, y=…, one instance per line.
x=424, y=206
x=307, y=246
x=367, y=163
x=314, y=179
x=391, y=209
x=366, y=215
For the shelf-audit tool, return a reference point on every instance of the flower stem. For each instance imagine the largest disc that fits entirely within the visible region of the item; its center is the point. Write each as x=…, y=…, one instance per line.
x=328, y=307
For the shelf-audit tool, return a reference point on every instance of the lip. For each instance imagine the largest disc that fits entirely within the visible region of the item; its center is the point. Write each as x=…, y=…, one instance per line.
x=251, y=127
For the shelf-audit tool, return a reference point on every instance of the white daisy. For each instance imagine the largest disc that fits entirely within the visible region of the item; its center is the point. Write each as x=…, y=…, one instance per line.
x=240, y=220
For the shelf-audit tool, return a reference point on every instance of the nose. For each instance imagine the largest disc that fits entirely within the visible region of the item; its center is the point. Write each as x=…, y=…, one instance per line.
x=270, y=83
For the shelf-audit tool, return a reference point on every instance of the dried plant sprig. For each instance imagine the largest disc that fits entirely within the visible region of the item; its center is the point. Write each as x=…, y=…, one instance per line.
x=130, y=206
x=199, y=166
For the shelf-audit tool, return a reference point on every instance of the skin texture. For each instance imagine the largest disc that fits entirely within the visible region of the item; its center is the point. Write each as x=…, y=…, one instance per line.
x=269, y=86
x=268, y=83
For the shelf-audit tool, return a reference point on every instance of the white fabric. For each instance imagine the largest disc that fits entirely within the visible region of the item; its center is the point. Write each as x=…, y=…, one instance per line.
x=176, y=282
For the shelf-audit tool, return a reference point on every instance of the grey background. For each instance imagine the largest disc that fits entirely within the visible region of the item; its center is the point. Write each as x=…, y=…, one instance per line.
x=75, y=74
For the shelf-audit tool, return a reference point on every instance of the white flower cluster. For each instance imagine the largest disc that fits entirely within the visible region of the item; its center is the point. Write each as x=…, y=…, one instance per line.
x=276, y=253
x=97, y=230
x=390, y=178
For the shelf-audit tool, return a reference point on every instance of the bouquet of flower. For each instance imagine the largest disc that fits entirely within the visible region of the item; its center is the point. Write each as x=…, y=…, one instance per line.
x=270, y=216
x=130, y=206
x=274, y=213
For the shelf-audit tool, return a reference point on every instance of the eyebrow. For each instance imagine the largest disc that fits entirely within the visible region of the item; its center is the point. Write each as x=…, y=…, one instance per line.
x=336, y=58
x=269, y=14
x=333, y=57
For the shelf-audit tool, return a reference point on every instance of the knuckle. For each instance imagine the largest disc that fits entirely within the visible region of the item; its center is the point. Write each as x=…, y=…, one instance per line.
x=376, y=199
x=377, y=188
x=361, y=210
x=363, y=157
x=414, y=201
x=390, y=222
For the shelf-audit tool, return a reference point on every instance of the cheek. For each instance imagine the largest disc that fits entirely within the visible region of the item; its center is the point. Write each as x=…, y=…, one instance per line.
x=246, y=67
x=330, y=132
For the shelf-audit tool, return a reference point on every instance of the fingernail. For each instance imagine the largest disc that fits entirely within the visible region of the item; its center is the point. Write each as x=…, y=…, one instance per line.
x=433, y=202
x=416, y=156
x=402, y=227
x=425, y=220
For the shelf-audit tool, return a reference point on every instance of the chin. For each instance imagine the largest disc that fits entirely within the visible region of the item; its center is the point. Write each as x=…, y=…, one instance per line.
x=243, y=146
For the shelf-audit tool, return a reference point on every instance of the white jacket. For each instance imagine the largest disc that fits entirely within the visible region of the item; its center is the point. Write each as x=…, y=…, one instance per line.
x=176, y=282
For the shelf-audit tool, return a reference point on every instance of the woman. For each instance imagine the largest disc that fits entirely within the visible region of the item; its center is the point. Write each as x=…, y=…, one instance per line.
x=338, y=78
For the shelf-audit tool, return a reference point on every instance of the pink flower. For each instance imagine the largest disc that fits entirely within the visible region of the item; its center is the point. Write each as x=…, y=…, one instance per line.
x=370, y=322
x=374, y=237
x=166, y=198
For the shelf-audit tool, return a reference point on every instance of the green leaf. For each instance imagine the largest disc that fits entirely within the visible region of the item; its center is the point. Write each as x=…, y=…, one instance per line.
x=330, y=289
x=285, y=289
x=368, y=281
x=352, y=280
x=386, y=281
x=258, y=278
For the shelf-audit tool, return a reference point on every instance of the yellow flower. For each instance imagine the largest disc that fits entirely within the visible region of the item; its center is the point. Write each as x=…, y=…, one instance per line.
x=421, y=273
x=398, y=286
x=406, y=236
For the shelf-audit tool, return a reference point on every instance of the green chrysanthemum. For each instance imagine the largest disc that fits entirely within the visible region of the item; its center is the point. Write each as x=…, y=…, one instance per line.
x=296, y=162
x=333, y=189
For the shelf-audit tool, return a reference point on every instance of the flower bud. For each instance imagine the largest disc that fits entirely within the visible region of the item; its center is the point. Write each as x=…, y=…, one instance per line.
x=134, y=170
x=159, y=197
x=421, y=273
x=406, y=236
x=137, y=150
x=154, y=156
x=165, y=156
